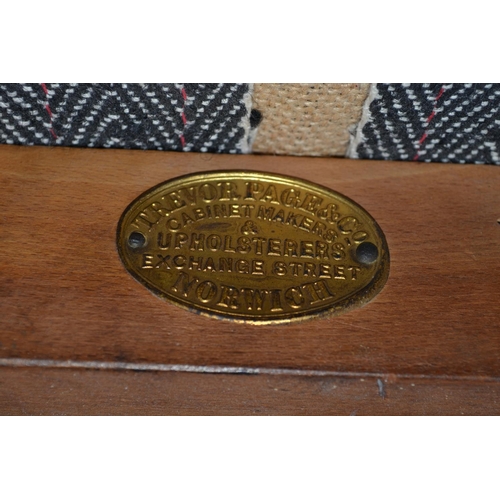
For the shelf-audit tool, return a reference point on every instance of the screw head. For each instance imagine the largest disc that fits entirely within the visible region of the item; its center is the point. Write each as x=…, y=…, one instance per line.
x=136, y=240
x=366, y=253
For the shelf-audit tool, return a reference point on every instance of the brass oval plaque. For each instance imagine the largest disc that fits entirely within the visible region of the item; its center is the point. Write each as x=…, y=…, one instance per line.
x=252, y=246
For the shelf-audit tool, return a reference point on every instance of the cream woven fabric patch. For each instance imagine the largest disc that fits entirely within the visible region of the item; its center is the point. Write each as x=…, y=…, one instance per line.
x=307, y=119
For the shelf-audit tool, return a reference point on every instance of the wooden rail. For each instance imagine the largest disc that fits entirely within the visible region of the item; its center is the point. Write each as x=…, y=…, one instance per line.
x=79, y=336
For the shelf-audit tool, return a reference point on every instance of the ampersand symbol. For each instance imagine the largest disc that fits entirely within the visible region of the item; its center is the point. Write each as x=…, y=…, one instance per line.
x=249, y=228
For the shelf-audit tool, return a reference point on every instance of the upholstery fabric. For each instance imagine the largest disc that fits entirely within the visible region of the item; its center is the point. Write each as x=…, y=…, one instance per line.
x=457, y=123
x=178, y=117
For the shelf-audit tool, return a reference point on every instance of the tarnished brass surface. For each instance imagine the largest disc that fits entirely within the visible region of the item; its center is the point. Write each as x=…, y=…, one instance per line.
x=252, y=246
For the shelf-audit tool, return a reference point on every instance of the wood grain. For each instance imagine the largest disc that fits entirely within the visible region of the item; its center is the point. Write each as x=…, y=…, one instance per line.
x=54, y=391
x=64, y=293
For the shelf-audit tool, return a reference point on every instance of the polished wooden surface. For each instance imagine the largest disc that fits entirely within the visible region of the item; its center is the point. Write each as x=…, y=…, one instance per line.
x=65, y=295
x=57, y=391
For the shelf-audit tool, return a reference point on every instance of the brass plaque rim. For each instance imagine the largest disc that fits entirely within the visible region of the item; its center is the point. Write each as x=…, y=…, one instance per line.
x=355, y=300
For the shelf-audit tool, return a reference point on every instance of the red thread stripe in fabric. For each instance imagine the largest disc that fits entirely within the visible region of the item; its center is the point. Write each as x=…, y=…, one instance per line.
x=429, y=119
x=183, y=115
x=47, y=108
